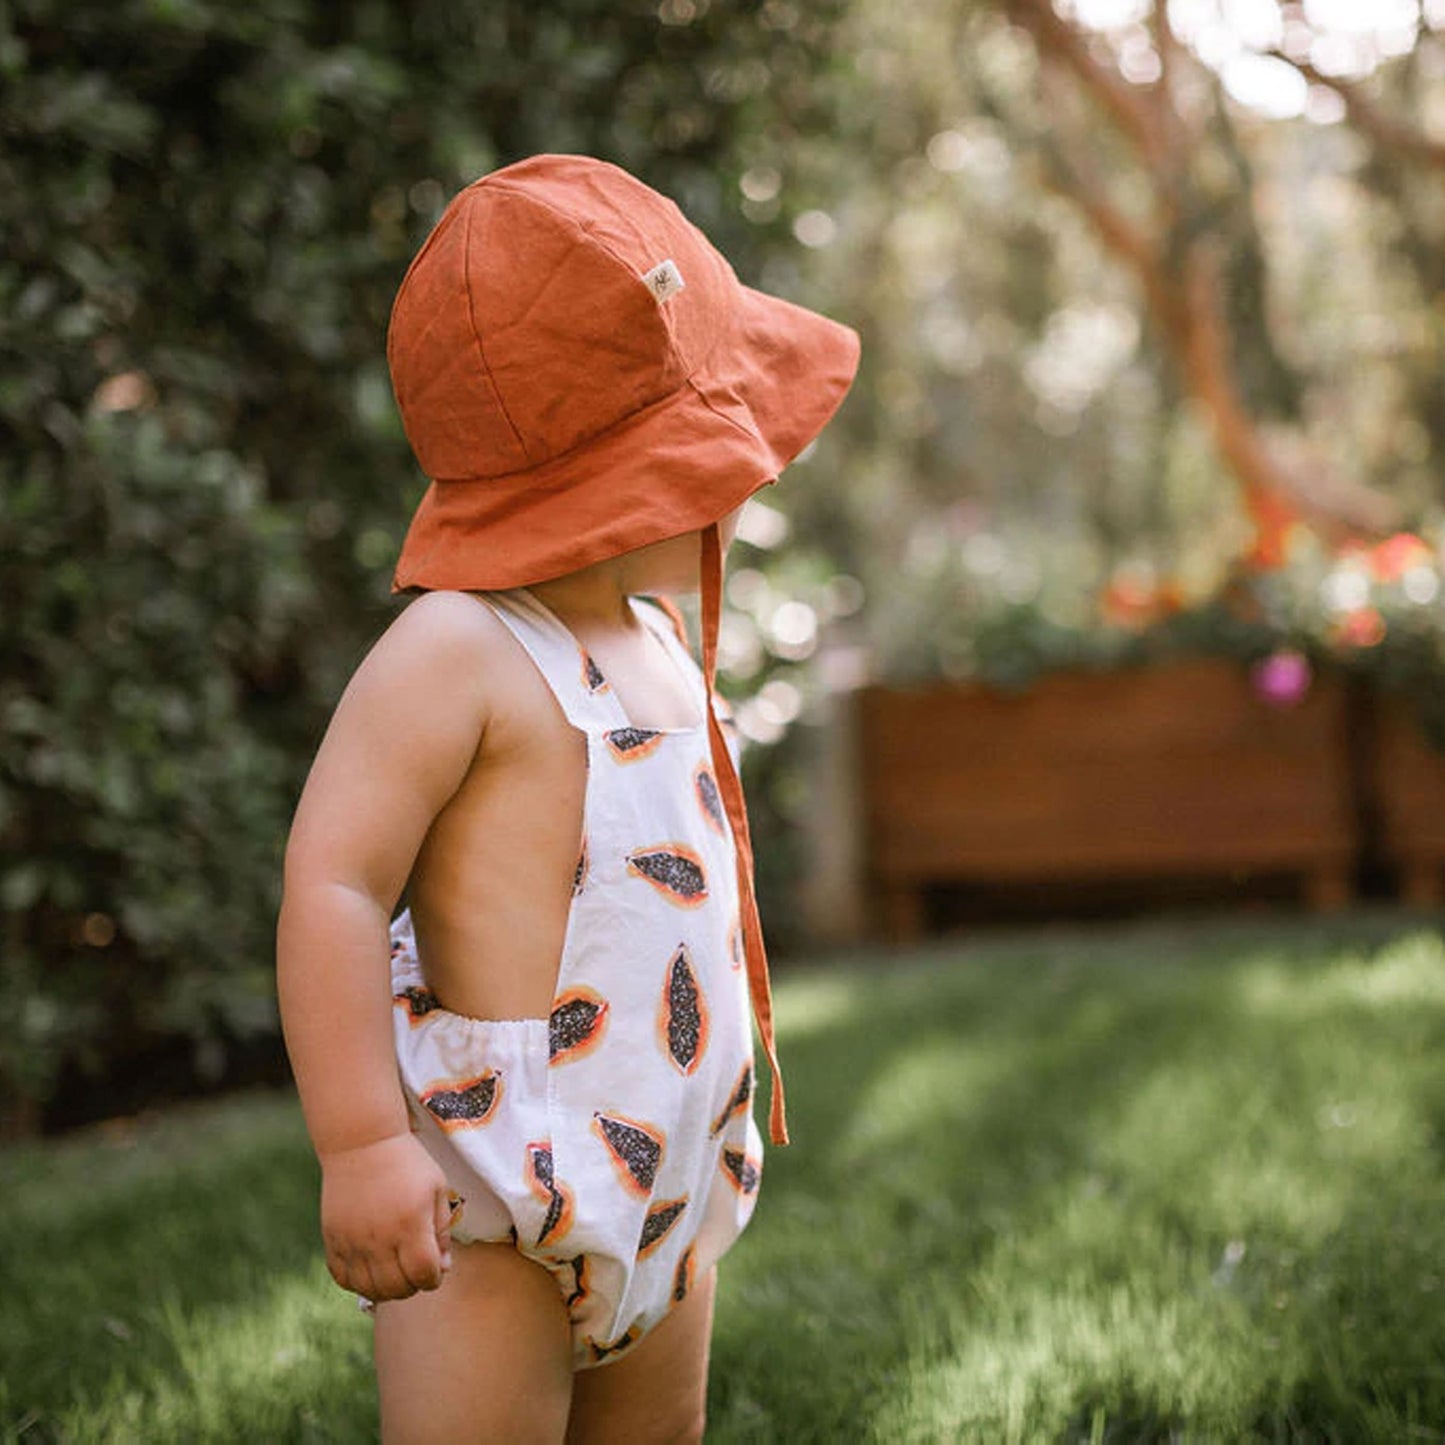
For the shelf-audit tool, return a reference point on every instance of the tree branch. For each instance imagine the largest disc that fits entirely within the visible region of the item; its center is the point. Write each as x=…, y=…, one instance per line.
x=1392, y=134
x=1070, y=46
x=1268, y=463
x=1166, y=47
x=1071, y=174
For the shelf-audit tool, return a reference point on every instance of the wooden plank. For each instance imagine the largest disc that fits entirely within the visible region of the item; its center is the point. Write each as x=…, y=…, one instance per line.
x=1173, y=769
x=1409, y=775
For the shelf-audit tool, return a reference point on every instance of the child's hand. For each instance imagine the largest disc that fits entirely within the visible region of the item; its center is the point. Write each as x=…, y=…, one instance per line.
x=385, y=1218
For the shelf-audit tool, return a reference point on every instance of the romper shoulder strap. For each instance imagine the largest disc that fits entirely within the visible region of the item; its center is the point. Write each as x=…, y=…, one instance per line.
x=582, y=692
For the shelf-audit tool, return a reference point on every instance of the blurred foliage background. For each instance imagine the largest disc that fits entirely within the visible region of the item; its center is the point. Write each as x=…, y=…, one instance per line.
x=1152, y=309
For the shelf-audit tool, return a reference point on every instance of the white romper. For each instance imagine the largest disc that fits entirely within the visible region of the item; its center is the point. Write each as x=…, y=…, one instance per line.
x=613, y=1142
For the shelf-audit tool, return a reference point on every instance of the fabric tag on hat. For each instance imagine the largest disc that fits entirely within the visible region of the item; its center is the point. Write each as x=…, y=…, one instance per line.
x=664, y=279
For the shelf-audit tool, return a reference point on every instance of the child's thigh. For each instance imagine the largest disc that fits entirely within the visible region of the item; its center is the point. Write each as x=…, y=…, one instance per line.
x=656, y=1392
x=488, y=1356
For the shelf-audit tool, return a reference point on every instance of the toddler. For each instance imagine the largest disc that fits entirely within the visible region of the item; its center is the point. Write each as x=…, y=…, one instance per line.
x=535, y=1124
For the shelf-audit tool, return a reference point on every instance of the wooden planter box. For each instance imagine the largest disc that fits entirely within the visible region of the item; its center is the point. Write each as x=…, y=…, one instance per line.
x=1408, y=786
x=1176, y=769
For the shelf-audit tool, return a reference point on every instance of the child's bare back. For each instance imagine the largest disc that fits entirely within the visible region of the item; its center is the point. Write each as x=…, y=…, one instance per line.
x=471, y=730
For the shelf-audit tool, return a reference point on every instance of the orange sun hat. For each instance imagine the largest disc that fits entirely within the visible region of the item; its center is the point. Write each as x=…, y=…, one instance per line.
x=580, y=373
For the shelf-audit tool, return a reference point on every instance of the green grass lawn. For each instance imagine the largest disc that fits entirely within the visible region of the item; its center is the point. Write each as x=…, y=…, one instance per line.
x=1161, y=1182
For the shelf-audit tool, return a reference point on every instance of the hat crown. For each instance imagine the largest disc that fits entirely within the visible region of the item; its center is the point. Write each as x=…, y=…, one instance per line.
x=554, y=299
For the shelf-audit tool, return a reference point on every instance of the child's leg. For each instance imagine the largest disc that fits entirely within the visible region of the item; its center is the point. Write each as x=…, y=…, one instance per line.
x=488, y=1356
x=656, y=1392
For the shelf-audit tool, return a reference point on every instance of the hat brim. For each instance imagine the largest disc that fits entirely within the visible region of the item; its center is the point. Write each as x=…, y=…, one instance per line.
x=673, y=467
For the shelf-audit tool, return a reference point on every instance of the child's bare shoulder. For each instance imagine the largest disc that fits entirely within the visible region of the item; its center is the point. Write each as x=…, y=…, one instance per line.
x=443, y=665
x=438, y=630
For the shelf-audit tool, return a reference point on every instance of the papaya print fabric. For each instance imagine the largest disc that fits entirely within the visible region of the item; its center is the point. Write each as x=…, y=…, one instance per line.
x=613, y=1142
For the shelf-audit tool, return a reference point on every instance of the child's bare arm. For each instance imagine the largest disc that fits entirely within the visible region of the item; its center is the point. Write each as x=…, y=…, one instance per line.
x=398, y=746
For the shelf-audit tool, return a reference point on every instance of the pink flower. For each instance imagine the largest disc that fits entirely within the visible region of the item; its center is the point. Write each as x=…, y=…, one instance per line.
x=1282, y=678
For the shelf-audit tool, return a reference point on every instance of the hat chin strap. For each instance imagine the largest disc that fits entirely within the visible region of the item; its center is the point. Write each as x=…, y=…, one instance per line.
x=732, y=796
